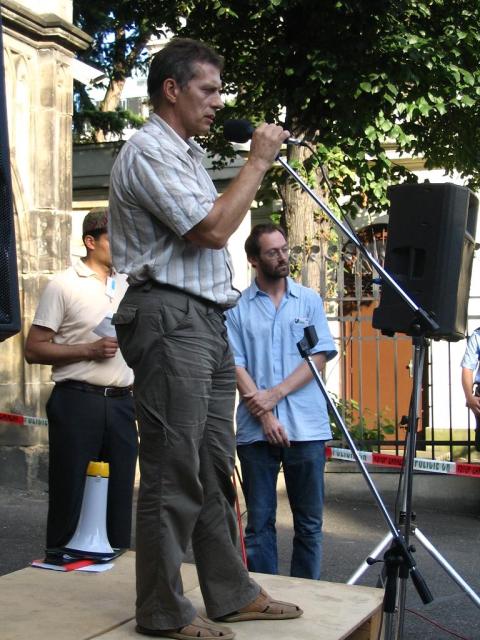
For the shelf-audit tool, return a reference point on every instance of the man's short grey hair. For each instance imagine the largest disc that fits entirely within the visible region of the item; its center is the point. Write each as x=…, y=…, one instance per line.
x=177, y=60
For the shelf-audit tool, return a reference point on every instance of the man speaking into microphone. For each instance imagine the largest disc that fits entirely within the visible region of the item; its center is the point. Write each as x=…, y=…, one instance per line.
x=169, y=229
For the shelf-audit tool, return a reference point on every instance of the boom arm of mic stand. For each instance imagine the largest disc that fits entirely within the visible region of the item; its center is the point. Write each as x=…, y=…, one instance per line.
x=399, y=541
x=426, y=322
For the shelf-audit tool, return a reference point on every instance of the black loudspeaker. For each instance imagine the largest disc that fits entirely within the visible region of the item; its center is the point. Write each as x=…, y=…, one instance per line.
x=429, y=252
x=9, y=300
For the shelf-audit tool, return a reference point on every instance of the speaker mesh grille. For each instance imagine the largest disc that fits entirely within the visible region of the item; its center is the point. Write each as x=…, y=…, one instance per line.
x=429, y=252
x=5, y=239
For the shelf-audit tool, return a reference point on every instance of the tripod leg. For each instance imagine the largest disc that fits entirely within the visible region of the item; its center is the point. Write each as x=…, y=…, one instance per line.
x=448, y=567
x=374, y=554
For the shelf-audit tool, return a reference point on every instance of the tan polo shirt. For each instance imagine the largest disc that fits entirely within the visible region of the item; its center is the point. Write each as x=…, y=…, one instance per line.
x=73, y=304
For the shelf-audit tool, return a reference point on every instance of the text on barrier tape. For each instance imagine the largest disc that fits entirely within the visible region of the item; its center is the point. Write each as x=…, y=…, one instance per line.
x=335, y=453
x=419, y=464
x=26, y=421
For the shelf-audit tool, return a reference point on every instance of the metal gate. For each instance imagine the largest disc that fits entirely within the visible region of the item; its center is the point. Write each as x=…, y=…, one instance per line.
x=373, y=373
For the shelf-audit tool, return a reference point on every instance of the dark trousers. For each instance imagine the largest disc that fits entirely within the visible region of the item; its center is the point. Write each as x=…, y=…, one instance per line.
x=184, y=395
x=84, y=426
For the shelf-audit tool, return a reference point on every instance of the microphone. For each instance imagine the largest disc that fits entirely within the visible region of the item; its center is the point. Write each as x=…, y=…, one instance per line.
x=242, y=131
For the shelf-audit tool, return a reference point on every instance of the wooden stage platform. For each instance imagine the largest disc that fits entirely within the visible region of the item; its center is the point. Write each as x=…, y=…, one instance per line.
x=36, y=604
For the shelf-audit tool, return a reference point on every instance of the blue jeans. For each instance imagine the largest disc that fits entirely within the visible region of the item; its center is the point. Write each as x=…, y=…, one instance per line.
x=303, y=466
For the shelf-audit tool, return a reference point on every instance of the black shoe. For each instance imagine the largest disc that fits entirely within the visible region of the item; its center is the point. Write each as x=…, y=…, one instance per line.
x=477, y=439
x=54, y=558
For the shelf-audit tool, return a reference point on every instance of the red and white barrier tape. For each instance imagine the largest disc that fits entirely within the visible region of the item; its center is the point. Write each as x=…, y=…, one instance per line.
x=333, y=453
x=419, y=464
x=24, y=421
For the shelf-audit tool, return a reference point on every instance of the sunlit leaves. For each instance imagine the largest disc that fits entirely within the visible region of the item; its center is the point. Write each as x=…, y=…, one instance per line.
x=358, y=78
x=355, y=76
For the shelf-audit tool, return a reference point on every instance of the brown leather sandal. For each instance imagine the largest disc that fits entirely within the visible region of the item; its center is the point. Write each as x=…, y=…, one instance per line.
x=264, y=608
x=200, y=627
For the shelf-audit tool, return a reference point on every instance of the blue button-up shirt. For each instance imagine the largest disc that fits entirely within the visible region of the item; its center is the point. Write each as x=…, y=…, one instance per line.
x=264, y=341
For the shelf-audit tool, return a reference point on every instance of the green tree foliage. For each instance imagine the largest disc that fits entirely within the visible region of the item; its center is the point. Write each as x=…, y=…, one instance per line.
x=356, y=75
x=120, y=33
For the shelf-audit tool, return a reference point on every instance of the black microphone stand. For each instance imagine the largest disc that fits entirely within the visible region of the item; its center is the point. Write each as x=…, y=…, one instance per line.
x=399, y=562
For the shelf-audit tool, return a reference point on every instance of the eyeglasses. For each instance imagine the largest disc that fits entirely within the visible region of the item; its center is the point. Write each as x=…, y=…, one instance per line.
x=276, y=253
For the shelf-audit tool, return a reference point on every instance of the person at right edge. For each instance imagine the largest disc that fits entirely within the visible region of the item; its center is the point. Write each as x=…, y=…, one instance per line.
x=168, y=231
x=471, y=389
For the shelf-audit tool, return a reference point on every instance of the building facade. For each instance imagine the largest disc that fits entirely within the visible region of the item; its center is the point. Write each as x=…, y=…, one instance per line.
x=39, y=43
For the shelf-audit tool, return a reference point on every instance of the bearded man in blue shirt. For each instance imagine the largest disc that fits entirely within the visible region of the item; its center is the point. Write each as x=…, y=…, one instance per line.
x=282, y=417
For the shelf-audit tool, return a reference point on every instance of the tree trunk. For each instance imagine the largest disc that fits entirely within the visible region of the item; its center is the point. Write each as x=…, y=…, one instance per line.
x=113, y=95
x=110, y=102
x=307, y=226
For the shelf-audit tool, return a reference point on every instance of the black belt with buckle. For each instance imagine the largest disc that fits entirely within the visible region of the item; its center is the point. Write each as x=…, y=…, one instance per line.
x=108, y=392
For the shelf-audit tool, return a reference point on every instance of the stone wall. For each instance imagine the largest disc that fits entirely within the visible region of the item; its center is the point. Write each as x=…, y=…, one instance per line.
x=38, y=49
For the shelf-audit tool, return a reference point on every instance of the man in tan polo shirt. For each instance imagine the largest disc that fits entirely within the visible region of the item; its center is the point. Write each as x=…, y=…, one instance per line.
x=90, y=411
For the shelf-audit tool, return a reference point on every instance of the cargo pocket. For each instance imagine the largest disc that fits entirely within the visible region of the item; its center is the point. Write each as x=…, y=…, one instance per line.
x=125, y=320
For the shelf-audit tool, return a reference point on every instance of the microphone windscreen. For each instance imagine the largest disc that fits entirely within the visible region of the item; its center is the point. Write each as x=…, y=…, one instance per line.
x=238, y=130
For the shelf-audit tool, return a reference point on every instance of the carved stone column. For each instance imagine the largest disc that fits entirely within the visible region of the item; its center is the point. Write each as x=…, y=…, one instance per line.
x=38, y=49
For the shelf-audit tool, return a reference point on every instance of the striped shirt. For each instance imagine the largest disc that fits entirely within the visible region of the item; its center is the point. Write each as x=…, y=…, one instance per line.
x=159, y=190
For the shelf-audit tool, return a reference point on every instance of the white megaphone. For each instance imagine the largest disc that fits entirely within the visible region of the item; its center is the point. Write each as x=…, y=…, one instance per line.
x=90, y=538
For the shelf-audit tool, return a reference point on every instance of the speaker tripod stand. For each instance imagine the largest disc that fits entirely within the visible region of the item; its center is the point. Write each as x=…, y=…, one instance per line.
x=398, y=559
x=396, y=584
